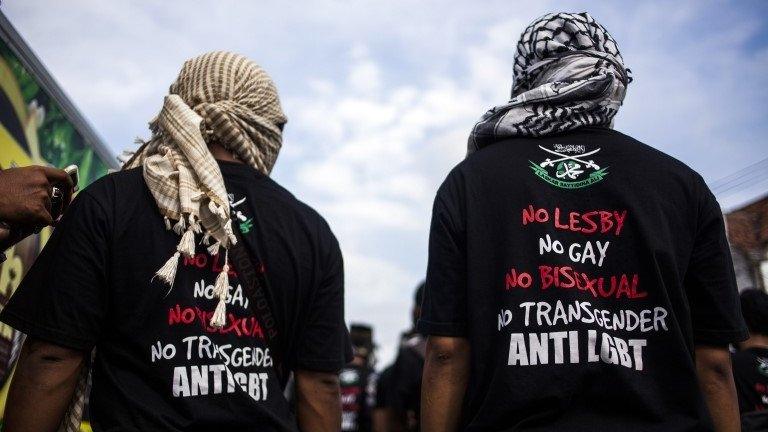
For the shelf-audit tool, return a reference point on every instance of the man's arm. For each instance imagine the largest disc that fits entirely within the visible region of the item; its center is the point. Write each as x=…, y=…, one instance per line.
x=382, y=420
x=318, y=401
x=713, y=366
x=446, y=372
x=42, y=386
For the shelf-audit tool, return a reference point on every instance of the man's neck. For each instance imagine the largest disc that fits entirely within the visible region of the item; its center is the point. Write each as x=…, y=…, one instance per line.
x=220, y=153
x=755, y=341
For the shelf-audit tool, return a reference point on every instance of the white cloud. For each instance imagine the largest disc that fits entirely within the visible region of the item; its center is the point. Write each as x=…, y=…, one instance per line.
x=365, y=76
x=378, y=298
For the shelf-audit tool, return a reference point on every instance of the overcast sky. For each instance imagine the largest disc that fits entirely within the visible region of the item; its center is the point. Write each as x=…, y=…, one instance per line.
x=380, y=97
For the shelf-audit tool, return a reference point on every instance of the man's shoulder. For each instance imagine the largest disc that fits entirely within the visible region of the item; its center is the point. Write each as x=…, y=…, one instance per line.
x=274, y=202
x=292, y=203
x=652, y=155
x=412, y=350
x=119, y=179
x=114, y=188
x=283, y=195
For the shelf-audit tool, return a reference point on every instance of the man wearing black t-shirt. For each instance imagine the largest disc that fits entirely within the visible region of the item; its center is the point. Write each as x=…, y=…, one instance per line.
x=750, y=363
x=578, y=280
x=405, y=397
x=358, y=381
x=178, y=346
x=381, y=415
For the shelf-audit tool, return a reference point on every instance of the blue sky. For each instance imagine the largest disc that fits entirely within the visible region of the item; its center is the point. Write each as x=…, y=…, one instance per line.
x=380, y=97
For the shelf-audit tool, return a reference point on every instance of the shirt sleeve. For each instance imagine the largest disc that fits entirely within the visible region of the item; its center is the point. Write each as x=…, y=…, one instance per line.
x=62, y=299
x=324, y=345
x=444, y=311
x=710, y=282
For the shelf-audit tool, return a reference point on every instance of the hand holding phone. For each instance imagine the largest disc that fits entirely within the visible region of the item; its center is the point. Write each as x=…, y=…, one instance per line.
x=62, y=191
x=25, y=194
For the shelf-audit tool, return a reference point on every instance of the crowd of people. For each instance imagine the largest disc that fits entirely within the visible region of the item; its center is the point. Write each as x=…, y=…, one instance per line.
x=577, y=279
x=387, y=400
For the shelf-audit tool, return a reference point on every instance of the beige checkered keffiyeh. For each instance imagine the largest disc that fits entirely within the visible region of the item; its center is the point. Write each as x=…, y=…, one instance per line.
x=73, y=417
x=221, y=97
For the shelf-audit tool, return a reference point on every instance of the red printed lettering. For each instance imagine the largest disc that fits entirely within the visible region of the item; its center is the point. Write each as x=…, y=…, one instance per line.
x=591, y=222
x=559, y=225
x=531, y=215
x=587, y=217
x=565, y=277
x=239, y=326
x=512, y=279
x=619, y=220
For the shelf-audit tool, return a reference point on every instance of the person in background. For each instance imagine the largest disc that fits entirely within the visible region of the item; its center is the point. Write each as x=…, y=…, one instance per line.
x=577, y=280
x=358, y=382
x=382, y=416
x=139, y=268
x=750, y=362
x=25, y=201
x=405, y=382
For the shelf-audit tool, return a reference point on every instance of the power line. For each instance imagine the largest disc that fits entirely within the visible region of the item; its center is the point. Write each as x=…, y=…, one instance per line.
x=749, y=173
x=737, y=174
x=743, y=169
x=739, y=181
x=742, y=180
x=739, y=178
x=735, y=188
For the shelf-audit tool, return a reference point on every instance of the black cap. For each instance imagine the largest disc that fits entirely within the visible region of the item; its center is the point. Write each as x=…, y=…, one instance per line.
x=361, y=335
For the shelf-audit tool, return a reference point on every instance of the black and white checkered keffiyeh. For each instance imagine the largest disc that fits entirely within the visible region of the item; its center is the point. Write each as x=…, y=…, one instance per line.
x=568, y=73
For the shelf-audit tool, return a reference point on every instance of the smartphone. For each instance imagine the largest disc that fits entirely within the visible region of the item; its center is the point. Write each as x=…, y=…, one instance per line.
x=74, y=175
x=61, y=190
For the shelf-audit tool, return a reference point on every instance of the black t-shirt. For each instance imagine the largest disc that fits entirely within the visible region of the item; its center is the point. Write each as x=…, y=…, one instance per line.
x=750, y=372
x=357, y=398
x=159, y=365
x=405, y=382
x=383, y=389
x=583, y=268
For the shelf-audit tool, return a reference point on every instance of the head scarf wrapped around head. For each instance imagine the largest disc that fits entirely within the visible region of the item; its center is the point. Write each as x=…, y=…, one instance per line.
x=221, y=97
x=568, y=73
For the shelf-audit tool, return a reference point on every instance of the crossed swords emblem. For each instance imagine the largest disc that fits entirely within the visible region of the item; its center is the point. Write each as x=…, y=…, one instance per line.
x=234, y=204
x=571, y=169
